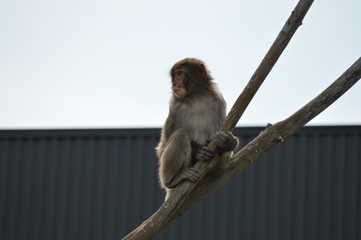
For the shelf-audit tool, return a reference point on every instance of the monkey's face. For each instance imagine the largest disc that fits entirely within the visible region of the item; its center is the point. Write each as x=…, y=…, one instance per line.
x=179, y=81
x=189, y=77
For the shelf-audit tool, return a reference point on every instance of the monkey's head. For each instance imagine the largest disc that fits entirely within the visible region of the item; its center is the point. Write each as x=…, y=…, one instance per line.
x=189, y=76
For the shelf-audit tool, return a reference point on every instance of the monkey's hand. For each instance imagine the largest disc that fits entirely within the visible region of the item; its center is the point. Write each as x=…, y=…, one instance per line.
x=226, y=141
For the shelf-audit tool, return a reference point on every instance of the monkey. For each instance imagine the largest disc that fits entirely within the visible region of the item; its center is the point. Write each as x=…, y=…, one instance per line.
x=197, y=110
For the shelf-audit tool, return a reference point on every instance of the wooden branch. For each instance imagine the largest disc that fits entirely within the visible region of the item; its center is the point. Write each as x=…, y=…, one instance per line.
x=281, y=42
x=275, y=134
x=267, y=139
x=181, y=199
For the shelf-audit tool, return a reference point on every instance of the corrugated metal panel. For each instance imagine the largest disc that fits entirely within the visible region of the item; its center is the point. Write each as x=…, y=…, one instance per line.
x=101, y=184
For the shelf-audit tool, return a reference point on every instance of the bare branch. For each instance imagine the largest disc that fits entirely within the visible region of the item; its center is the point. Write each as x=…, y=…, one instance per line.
x=281, y=42
x=281, y=130
x=188, y=194
x=184, y=196
x=275, y=134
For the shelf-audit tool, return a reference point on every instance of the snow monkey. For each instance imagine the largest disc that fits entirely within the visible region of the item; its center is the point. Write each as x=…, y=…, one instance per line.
x=196, y=112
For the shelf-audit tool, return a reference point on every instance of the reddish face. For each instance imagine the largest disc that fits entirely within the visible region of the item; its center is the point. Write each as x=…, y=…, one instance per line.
x=178, y=83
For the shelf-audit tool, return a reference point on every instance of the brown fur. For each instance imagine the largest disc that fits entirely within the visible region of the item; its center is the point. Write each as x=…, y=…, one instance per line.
x=193, y=121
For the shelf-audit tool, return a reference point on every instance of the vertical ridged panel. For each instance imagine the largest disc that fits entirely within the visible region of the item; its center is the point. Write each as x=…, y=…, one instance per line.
x=101, y=184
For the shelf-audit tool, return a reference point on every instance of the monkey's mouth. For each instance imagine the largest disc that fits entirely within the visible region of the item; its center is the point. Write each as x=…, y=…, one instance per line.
x=178, y=93
x=177, y=90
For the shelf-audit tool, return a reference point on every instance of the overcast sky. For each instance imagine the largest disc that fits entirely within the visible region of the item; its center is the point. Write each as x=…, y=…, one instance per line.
x=105, y=64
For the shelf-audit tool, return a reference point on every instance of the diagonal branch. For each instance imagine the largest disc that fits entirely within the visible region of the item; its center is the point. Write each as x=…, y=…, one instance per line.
x=281, y=42
x=267, y=139
x=184, y=196
x=275, y=134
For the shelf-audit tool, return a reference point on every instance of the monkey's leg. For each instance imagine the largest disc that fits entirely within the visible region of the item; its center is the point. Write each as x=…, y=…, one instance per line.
x=176, y=160
x=190, y=174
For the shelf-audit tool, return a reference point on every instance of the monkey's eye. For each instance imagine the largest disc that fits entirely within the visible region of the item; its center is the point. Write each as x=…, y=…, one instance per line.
x=178, y=72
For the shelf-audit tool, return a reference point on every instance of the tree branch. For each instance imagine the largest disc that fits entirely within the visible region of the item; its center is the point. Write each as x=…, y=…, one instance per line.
x=267, y=139
x=275, y=134
x=281, y=42
x=187, y=194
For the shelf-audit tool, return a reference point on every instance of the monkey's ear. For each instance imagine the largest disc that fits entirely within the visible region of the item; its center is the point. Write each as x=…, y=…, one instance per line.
x=202, y=68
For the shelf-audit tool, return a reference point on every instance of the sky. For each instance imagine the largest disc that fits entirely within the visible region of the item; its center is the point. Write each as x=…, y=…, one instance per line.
x=105, y=64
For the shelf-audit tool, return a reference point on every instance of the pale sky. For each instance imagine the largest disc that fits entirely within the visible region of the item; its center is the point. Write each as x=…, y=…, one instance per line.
x=105, y=64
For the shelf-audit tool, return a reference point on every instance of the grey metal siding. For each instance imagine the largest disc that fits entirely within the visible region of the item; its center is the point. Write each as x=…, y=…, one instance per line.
x=101, y=184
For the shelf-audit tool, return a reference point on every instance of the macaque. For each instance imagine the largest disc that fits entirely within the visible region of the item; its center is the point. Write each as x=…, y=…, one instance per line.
x=196, y=112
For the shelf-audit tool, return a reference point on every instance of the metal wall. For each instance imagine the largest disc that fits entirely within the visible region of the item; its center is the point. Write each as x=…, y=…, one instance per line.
x=101, y=184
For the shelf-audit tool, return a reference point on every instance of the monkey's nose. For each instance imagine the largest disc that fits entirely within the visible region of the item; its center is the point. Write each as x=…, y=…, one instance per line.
x=177, y=84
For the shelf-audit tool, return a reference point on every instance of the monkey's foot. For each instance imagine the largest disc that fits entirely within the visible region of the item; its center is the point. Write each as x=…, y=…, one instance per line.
x=204, y=154
x=191, y=174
